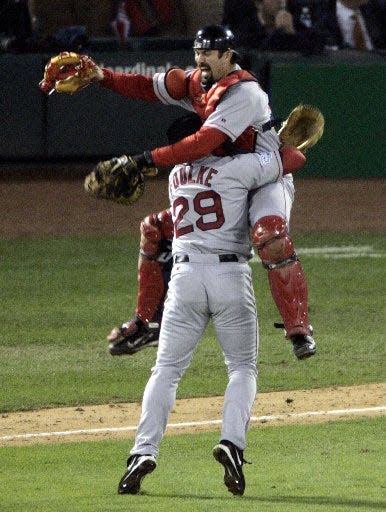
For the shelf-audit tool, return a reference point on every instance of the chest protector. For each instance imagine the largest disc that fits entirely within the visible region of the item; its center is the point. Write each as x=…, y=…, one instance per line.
x=204, y=103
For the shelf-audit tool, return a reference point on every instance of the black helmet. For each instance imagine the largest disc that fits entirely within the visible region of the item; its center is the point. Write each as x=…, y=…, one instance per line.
x=214, y=37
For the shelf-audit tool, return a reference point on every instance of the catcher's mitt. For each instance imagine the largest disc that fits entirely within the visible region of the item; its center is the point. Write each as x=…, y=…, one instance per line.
x=67, y=72
x=303, y=127
x=118, y=180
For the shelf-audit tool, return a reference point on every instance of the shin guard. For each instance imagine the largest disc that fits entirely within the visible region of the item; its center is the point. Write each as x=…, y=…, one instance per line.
x=285, y=273
x=289, y=291
x=154, y=265
x=151, y=288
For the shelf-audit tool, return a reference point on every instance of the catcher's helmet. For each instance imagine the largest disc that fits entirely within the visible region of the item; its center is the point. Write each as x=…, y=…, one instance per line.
x=214, y=37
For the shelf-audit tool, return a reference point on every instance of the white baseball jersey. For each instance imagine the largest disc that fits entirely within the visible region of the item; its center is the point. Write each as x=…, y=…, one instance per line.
x=209, y=202
x=244, y=104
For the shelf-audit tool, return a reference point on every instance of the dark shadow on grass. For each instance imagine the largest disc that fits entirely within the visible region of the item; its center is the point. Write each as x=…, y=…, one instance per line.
x=306, y=500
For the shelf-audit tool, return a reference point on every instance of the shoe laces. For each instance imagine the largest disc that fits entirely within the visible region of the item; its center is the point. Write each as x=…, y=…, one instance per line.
x=240, y=453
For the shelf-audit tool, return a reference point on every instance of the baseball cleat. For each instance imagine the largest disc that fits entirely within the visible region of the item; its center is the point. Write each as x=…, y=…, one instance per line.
x=133, y=336
x=231, y=457
x=303, y=346
x=138, y=466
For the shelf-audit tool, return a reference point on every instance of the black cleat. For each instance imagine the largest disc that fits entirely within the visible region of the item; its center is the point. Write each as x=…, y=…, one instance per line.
x=133, y=336
x=231, y=457
x=303, y=346
x=138, y=466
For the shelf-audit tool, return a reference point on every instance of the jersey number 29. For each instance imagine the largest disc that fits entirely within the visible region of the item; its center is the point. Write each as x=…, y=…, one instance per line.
x=182, y=205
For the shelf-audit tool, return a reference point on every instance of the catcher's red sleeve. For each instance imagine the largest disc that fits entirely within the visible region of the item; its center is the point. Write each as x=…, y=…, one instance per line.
x=198, y=145
x=132, y=85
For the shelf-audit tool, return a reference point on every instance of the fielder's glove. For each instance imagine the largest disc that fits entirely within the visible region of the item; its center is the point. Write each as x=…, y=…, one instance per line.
x=68, y=72
x=120, y=179
x=303, y=127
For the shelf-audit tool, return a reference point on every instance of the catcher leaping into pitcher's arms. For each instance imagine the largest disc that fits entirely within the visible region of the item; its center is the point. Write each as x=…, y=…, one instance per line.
x=236, y=119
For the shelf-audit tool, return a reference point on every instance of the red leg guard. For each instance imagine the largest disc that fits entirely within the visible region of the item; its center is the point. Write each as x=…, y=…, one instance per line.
x=151, y=285
x=154, y=227
x=151, y=288
x=285, y=273
x=289, y=291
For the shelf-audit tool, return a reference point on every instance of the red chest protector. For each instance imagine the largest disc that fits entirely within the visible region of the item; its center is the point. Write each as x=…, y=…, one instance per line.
x=204, y=103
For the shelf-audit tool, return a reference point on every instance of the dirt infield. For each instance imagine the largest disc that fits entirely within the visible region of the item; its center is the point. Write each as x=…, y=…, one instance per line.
x=114, y=421
x=52, y=203
x=47, y=204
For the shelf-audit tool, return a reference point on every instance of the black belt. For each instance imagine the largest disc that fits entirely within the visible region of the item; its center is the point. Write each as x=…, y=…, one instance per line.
x=223, y=258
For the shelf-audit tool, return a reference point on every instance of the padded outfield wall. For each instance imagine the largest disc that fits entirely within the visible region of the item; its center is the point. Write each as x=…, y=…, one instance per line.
x=348, y=87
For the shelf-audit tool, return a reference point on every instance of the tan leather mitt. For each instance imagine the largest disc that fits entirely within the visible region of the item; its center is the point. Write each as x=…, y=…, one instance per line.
x=67, y=72
x=118, y=180
x=303, y=127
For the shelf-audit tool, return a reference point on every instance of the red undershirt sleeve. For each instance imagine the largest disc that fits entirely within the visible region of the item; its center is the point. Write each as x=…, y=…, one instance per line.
x=198, y=145
x=131, y=85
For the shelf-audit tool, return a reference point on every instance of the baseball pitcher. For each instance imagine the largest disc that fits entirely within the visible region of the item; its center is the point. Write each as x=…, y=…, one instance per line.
x=210, y=280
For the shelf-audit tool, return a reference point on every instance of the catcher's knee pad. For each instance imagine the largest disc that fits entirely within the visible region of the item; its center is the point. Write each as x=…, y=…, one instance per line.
x=150, y=236
x=166, y=223
x=154, y=228
x=274, y=245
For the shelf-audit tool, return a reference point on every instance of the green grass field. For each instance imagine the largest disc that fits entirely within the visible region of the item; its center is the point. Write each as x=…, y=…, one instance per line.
x=327, y=467
x=59, y=299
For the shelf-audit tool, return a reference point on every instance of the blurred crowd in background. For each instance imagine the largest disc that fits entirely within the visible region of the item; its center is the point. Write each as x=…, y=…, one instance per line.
x=311, y=27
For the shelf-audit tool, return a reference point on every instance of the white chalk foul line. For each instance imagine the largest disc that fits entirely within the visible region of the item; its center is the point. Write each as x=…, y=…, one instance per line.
x=340, y=252
x=263, y=419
